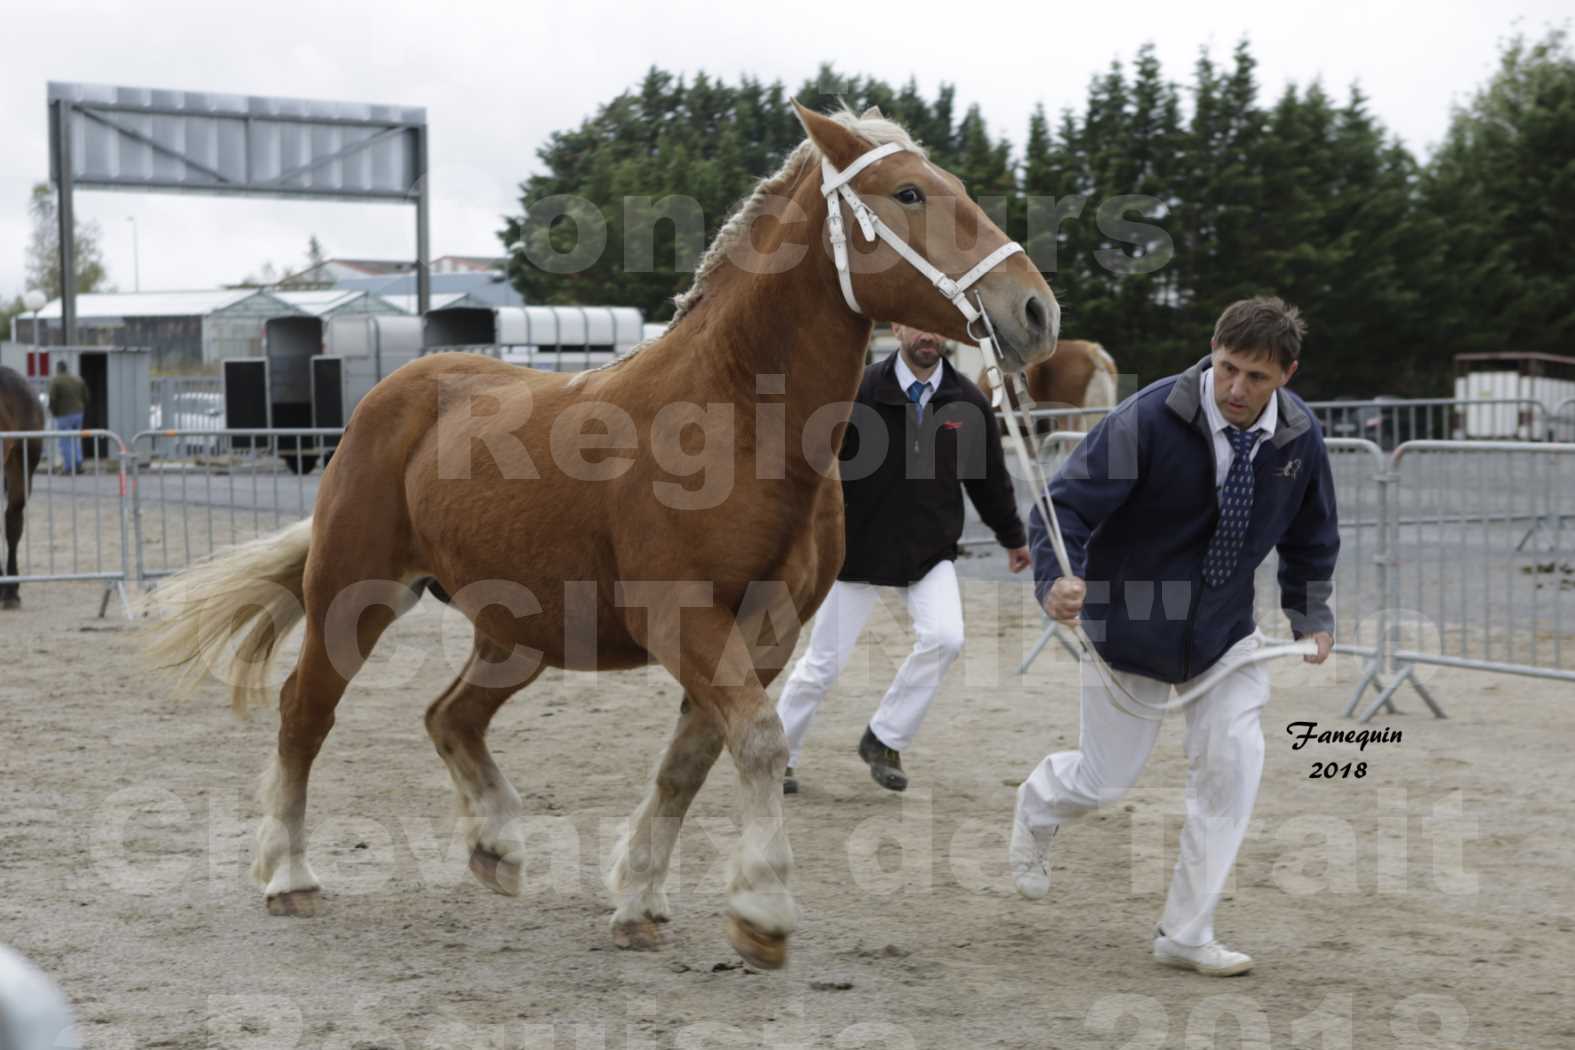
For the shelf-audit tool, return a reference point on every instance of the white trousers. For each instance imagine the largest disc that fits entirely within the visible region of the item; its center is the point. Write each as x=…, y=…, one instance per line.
x=1224, y=746
x=935, y=604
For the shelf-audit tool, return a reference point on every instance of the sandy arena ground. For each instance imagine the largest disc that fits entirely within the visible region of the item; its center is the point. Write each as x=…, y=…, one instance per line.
x=1427, y=904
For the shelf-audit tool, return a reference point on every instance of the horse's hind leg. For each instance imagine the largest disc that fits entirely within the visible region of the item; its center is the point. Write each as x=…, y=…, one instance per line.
x=15, y=500
x=328, y=660
x=642, y=855
x=490, y=807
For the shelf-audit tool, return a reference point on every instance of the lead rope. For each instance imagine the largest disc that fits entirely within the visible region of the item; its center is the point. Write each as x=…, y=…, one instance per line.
x=1010, y=388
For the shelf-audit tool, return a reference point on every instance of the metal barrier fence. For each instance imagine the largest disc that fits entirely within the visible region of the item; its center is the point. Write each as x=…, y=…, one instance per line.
x=186, y=403
x=1456, y=554
x=1390, y=423
x=197, y=491
x=75, y=526
x=1071, y=419
x=1561, y=421
x=1480, y=536
x=1050, y=448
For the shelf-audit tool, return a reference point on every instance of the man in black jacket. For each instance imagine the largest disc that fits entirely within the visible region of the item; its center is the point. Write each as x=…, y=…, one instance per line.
x=920, y=434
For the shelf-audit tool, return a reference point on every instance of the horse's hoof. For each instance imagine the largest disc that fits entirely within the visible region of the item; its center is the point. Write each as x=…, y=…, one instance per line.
x=640, y=935
x=760, y=949
x=296, y=904
x=9, y=603
x=498, y=874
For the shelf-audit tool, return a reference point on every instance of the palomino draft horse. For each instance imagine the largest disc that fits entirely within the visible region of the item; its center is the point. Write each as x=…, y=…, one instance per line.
x=613, y=558
x=19, y=410
x=1081, y=375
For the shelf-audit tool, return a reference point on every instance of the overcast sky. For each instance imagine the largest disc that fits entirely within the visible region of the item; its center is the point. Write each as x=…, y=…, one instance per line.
x=497, y=77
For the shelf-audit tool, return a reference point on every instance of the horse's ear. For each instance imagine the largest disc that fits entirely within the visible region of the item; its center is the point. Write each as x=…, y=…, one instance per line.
x=873, y=113
x=839, y=144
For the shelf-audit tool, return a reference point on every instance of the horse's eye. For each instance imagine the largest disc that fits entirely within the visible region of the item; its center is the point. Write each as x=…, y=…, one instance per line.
x=909, y=195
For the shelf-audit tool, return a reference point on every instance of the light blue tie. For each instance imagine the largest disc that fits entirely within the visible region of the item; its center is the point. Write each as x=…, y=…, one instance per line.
x=1235, y=509
x=915, y=392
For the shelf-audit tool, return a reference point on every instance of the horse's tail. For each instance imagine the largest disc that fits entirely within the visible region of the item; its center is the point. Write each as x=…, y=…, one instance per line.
x=253, y=591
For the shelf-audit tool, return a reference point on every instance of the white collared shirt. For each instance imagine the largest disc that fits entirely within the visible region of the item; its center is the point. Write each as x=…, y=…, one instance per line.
x=1223, y=453
x=906, y=378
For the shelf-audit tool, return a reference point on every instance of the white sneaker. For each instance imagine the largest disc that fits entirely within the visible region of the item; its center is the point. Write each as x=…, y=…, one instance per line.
x=1212, y=959
x=1029, y=854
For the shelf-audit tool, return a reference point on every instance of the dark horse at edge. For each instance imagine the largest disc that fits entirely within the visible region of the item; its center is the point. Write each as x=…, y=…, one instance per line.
x=19, y=410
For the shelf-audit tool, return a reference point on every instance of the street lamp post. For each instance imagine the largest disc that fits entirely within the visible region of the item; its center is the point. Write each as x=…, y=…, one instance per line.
x=34, y=301
x=136, y=255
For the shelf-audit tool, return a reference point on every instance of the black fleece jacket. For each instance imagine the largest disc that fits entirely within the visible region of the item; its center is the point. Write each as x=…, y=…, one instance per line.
x=902, y=479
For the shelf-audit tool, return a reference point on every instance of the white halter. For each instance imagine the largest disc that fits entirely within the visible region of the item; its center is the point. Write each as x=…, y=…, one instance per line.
x=834, y=186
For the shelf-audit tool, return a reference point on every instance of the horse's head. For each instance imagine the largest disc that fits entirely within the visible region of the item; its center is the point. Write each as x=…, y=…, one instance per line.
x=873, y=176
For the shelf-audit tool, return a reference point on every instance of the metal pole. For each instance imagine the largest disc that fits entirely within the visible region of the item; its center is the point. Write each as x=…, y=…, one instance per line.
x=136, y=255
x=423, y=209
x=66, y=214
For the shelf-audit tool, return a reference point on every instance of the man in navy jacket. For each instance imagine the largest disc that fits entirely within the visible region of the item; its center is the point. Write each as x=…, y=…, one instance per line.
x=1167, y=509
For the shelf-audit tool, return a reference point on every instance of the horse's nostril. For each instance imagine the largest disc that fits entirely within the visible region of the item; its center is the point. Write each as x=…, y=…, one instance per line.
x=1034, y=314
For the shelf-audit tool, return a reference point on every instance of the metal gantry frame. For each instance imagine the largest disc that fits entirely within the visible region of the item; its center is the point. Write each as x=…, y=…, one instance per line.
x=231, y=145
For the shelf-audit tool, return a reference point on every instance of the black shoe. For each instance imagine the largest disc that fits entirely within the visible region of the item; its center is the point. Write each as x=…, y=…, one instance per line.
x=790, y=783
x=885, y=764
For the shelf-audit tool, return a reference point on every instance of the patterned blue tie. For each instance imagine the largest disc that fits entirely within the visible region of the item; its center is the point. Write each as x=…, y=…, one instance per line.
x=915, y=392
x=1235, y=509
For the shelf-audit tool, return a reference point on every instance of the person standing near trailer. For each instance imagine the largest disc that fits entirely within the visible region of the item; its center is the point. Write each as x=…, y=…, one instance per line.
x=68, y=401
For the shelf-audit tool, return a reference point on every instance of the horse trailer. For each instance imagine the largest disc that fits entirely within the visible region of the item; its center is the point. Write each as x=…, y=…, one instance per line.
x=552, y=338
x=1514, y=383
x=315, y=370
x=312, y=373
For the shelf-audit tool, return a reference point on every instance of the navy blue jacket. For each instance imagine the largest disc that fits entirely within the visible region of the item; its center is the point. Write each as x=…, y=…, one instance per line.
x=1137, y=506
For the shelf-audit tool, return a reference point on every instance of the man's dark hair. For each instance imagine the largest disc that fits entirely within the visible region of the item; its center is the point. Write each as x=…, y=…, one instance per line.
x=60, y=366
x=1266, y=326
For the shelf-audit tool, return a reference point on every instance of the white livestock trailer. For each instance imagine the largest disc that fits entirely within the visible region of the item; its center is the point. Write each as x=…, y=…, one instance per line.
x=554, y=338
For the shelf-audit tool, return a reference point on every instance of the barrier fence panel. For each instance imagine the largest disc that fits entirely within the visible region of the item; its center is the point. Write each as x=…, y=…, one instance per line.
x=1392, y=422
x=186, y=403
x=1483, y=538
x=1486, y=565
x=1453, y=553
x=1058, y=430
x=75, y=523
x=197, y=491
x=1360, y=475
x=1561, y=421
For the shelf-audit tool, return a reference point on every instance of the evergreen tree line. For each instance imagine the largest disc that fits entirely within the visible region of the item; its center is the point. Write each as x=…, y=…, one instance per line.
x=1149, y=208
